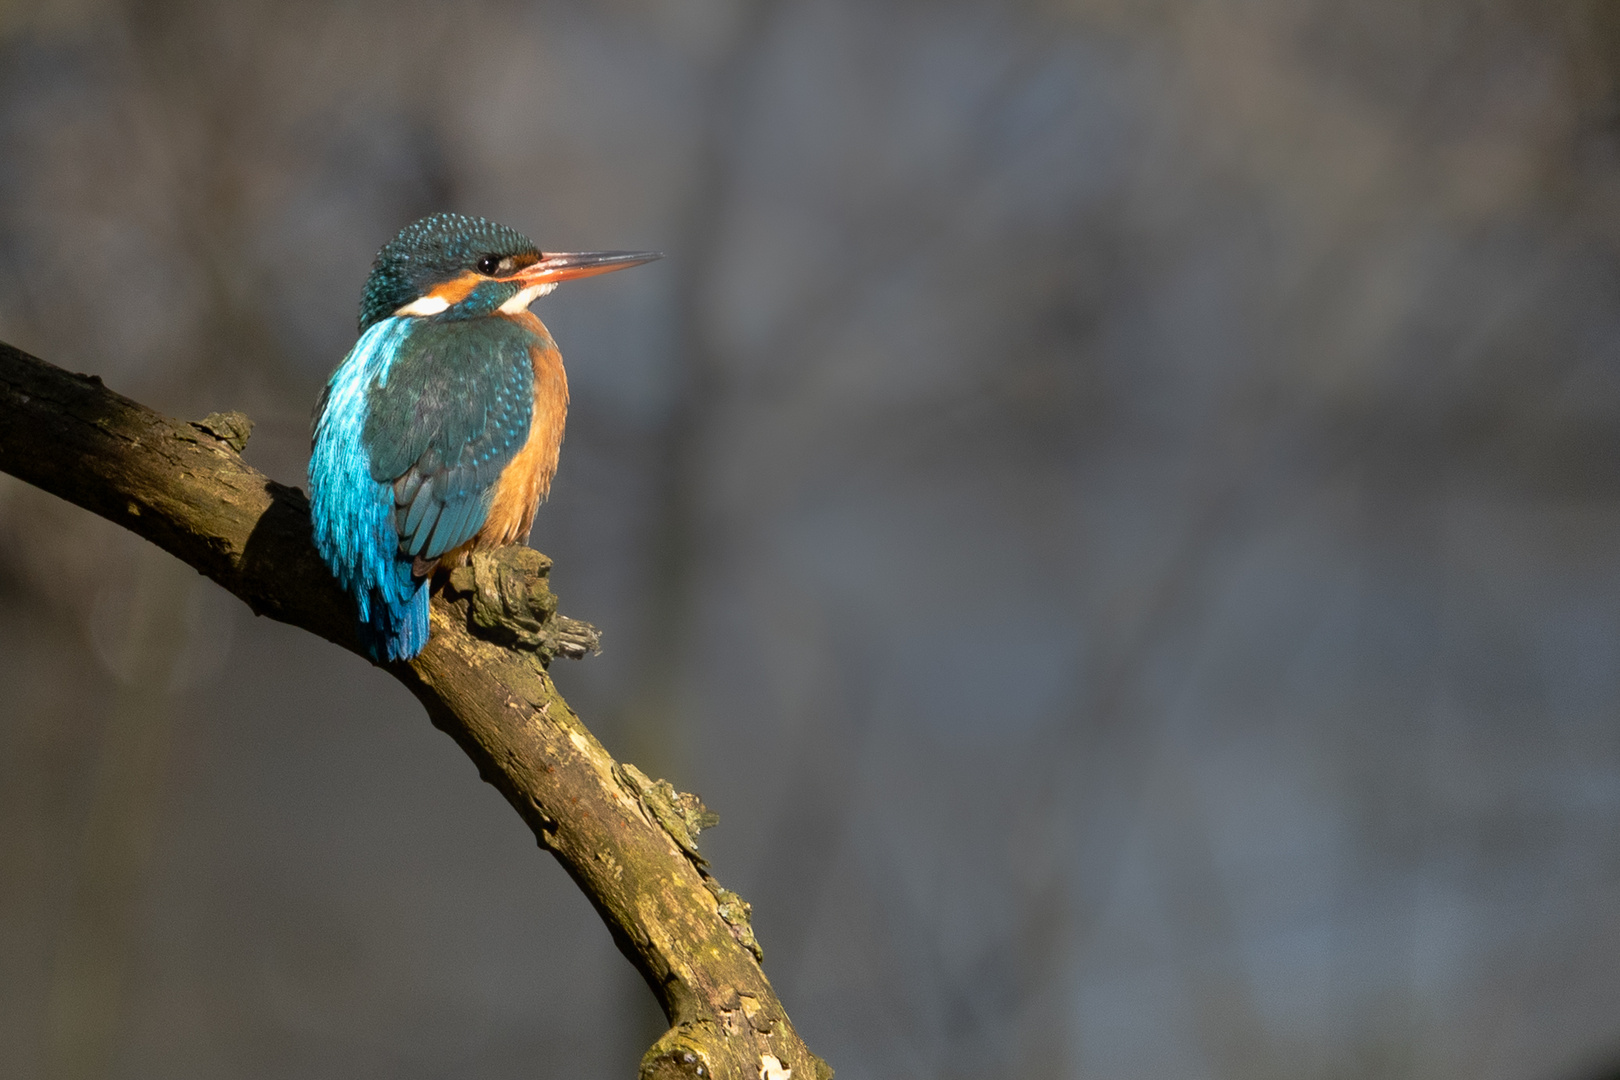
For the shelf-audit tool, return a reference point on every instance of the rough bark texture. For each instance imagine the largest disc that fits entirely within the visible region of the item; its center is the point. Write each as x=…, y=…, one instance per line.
x=627, y=840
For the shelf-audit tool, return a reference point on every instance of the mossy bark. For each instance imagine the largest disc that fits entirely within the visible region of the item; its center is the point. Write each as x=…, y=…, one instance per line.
x=627, y=841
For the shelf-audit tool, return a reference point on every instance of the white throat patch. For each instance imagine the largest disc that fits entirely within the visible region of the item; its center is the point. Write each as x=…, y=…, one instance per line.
x=521, y=301
x=424, y=305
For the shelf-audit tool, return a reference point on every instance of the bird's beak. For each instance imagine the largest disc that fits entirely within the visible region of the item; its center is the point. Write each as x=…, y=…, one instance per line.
x=561, y=266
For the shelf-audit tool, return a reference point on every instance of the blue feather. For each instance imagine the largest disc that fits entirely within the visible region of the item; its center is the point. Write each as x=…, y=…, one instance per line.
x=406, y=487
x=446, y=532
x=423, y=516
x=354, y=513
x=435, y=545
x=459, y=523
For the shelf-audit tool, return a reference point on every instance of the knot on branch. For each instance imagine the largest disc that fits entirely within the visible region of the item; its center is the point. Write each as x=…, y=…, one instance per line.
x=231, y=428
x=679, y=1054
x=683, y=816
x=736, y=912
x=510, y=602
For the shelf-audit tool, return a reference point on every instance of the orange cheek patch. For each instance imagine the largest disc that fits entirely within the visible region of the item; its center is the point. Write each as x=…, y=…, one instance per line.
x=455, y=290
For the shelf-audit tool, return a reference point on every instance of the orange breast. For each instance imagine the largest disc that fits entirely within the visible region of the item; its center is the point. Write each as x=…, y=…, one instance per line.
x=526, y=481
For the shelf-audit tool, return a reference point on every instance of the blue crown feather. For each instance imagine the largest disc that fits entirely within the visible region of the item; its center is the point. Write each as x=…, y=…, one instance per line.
x=427, y=252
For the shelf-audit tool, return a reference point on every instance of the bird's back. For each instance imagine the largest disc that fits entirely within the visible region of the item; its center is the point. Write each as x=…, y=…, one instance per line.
x=433, y=437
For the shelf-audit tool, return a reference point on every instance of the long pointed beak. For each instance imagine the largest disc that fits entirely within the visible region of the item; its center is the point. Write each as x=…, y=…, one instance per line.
x=561, y=266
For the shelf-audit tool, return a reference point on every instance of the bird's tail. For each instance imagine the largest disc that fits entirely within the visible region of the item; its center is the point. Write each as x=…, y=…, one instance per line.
x=393, y=630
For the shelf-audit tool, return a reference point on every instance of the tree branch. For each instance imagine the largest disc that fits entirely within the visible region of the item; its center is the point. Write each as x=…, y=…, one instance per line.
x=626, y=840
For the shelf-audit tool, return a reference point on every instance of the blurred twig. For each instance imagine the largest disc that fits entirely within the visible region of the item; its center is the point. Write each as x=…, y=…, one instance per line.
x=188, y=491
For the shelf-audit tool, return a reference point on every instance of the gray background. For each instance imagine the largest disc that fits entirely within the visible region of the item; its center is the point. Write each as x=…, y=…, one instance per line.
x=1113, y=503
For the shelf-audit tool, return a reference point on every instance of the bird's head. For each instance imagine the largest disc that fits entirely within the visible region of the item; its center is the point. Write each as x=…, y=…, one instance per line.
x=457, y=267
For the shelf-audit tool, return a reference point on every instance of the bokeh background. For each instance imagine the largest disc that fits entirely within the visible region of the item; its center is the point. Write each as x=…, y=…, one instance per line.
x=1115, y=504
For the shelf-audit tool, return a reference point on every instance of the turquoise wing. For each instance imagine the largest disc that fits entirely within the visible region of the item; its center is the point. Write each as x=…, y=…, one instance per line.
x=451, y=412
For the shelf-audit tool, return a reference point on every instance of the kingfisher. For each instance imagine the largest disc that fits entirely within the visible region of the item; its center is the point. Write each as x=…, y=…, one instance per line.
x=439, y=432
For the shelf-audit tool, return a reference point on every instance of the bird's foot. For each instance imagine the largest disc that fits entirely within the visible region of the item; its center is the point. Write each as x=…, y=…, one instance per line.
x=511, y=603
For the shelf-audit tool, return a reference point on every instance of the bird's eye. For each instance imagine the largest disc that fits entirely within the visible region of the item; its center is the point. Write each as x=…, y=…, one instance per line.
x=489, y=264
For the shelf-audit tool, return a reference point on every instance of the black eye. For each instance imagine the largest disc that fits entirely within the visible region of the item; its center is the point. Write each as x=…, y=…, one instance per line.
x=489, y=264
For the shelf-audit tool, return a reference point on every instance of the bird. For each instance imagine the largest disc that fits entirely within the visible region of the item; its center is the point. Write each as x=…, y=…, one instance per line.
x=439, y=432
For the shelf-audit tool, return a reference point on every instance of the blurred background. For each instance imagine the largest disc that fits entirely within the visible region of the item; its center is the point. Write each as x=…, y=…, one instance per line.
x=1115, y=504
